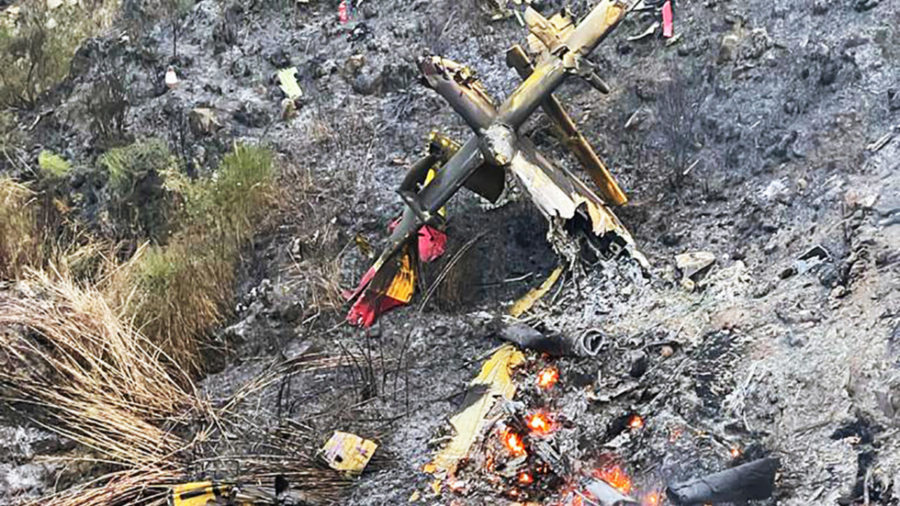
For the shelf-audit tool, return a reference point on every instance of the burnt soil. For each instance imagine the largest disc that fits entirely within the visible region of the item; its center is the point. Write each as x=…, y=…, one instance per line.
x=748, y=139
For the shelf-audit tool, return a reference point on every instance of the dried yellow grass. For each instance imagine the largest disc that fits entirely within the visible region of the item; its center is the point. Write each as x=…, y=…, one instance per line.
x=20, y=241
x=101, y=383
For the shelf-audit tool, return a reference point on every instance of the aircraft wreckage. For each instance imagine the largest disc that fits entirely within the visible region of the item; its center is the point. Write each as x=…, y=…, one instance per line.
x=581, y=222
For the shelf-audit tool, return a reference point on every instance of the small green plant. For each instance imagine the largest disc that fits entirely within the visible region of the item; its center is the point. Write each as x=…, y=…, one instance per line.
x=53, y=165
x=140, y=205
x=235, y=200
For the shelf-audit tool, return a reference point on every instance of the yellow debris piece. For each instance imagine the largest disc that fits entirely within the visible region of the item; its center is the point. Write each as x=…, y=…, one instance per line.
x=449, y=147
x=522, y=305
x=432, y=172
x=404, y=283
x=288, y=83
x=469, y=423
x=348, y=452
x=198, y=493
x=363, y=245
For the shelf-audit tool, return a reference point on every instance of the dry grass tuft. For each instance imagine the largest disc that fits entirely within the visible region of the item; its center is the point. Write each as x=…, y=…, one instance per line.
x=133, y=487
x=20, y=240
x=84, y=372
x=70, y=355
x=315, y=269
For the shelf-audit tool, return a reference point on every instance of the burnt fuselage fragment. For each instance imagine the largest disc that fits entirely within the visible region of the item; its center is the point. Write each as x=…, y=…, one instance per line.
x=578, y=217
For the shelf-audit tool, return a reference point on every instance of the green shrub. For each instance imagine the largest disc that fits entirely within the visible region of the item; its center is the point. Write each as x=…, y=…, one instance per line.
x=178, y=291
x=140, y=205
x=236, y=198
x=53, y=165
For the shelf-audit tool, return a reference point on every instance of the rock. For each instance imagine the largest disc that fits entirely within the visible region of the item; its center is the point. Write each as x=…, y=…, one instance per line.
x=820, y=7
x=728, y=48
x=639, y=362
x=23, y=479
x=203, y=121
x=296, y=348
x=763, y=289
x=239, y=68
x=829, y=72
x=369, y=11
x=360, y=32
x=395, y=77
x=252, y=115
x=781, y=149
x=774, y=190
x=647, y=89
x=791, y=106
x=280, y=59
x=666, y=351
x=694, y=265
x=288, y=109
x=352, y=66
x=864, y=5
x=755, y=45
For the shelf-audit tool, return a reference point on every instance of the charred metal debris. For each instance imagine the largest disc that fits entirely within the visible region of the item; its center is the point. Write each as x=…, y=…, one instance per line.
x=582, y=224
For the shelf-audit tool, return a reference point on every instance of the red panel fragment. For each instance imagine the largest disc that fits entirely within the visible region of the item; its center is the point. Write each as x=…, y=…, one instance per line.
x=668, y=20
x=366, y=309
x=432, y=243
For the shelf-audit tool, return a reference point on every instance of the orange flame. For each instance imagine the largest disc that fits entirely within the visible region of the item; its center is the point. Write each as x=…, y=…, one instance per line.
x=635, y=422
x=735, y=452
x=652, y=499
x=525, y=478
x=615, y=476
x=539, y=422
x=514, y=443
x=548, y=377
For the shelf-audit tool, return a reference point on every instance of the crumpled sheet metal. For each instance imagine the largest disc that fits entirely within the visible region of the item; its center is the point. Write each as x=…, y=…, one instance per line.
x=547, y=34
x=524, y=304
x=584, y=344
x=198, y=493
x=494, y=381
x=559, y=194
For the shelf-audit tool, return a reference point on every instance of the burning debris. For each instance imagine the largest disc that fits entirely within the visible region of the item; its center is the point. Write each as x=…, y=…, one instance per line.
x=494, y=382
x=607, y=494
x=581, y=223
x=548, y=377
